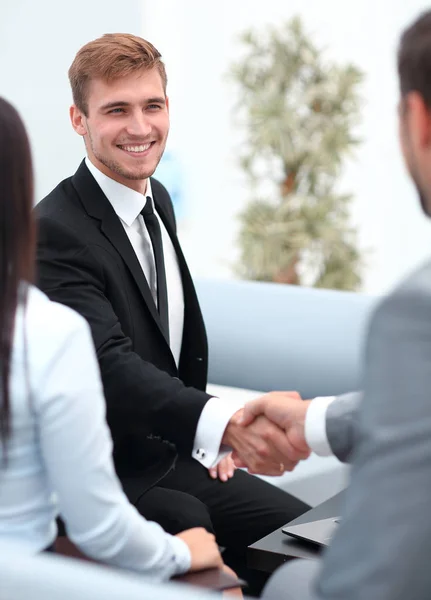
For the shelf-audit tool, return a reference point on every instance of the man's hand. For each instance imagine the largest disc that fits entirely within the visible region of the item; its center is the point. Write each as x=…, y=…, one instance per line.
x=284, y=409
x=204, y=551
x=224, y=470
x=262, y=446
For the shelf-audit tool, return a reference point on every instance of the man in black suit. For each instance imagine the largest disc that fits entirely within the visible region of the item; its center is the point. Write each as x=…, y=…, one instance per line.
x=108, y=249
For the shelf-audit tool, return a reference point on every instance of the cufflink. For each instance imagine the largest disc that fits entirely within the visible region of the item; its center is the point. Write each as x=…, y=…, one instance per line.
x=200, y=453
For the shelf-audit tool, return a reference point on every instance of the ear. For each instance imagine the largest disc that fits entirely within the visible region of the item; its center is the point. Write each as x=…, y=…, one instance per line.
x=78, y=120
x=167, y=103
x=418, y=116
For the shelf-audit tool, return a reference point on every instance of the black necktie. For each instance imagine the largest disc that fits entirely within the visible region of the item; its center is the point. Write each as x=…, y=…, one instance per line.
x=153, y=228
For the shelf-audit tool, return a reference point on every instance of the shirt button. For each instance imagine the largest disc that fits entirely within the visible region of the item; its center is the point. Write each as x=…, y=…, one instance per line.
x=200, y=453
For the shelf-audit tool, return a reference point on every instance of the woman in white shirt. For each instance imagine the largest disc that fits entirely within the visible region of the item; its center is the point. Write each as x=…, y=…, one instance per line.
x=55, y=446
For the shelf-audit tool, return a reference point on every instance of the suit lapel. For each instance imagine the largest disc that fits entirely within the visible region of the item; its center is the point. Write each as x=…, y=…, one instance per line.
x=98, y=206
x=114, y=231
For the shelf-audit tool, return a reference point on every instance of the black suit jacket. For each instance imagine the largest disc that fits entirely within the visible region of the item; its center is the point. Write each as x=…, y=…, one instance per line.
x=85, y=260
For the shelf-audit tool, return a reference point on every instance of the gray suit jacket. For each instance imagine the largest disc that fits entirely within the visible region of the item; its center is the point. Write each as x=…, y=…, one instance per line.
x=382, y=549
x=342, y=425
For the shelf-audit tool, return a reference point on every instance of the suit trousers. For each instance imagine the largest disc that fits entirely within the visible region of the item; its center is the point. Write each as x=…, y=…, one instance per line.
x=239, y=511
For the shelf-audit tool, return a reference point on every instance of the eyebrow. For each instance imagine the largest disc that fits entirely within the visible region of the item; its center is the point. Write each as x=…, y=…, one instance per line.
x=122, y=103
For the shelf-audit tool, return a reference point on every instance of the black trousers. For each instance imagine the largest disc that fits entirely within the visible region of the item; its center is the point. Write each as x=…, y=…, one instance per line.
x=239, y=511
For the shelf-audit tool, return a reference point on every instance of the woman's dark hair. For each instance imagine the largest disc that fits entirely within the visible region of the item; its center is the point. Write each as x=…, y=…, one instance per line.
x=17, y=240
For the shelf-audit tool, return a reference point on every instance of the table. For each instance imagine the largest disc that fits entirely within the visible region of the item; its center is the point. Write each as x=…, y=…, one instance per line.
x=276, y=548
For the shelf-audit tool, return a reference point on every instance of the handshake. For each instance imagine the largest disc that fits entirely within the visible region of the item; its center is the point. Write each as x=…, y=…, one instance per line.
x=267, y=436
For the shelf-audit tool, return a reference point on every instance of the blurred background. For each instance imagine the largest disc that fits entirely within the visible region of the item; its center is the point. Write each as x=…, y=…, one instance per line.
x=283, y=159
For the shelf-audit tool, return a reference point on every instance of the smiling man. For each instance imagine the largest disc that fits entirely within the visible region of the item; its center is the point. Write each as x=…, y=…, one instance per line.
x=108, y=248
x=120, y=143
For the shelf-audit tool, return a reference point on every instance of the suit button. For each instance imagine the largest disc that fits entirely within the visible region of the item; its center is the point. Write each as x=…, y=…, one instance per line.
x=200, y=453
x=199, y=358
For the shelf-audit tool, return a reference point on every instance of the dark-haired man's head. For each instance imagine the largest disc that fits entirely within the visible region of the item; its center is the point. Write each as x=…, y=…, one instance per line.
x=414, y=69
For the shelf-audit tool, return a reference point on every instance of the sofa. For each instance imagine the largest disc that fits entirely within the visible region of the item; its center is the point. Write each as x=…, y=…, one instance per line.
x=265, y=336
x=52, y=577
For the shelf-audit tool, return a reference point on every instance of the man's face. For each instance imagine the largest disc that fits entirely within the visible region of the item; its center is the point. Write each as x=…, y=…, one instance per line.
x=415, y=139
x=127, y=126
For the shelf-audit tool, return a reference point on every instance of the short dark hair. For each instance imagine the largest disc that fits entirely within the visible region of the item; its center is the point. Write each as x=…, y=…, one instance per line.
x=414, y=58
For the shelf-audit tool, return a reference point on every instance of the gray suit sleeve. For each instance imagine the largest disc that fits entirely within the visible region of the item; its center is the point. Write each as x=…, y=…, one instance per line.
x=342, y=424
x=382, y=548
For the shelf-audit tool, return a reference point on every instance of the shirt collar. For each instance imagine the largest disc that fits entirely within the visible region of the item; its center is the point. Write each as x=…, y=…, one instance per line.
x=126, y=202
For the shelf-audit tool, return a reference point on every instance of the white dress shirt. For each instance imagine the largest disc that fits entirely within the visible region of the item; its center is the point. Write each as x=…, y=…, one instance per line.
x=315, y=426
x=59, y=453
x=128, y=204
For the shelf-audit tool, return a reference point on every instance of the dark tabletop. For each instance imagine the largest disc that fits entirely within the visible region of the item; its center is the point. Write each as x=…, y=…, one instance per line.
x=276, y=548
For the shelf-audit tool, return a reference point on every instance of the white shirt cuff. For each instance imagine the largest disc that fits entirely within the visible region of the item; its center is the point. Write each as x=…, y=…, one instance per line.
x=315, y=426
x=182, y=556
x=215, y=416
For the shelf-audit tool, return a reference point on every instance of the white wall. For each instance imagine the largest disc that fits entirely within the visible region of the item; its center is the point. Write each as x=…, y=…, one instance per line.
x=38, y=40
x=198, y=41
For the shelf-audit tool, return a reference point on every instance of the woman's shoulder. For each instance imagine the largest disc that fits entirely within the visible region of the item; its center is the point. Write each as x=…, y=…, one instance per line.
x=50, y=318
x=45, y=333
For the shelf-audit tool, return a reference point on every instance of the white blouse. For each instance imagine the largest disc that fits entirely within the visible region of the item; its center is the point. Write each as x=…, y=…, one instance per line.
x=59, y=455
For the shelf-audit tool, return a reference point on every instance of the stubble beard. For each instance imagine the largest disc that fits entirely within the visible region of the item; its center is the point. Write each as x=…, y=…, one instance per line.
x=423, y=198
x=117, y=168
x=414, y=171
